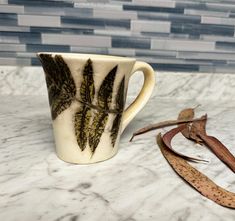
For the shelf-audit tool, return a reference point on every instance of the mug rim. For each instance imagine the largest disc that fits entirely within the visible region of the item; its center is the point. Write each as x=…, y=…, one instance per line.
x=91, y=56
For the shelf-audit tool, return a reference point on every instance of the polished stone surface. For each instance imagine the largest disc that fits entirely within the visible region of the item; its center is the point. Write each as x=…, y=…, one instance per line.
x=136, y=184
x=30, y=81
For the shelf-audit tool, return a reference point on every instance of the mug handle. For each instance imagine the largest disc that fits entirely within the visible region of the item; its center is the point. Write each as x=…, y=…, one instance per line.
x=143, y=96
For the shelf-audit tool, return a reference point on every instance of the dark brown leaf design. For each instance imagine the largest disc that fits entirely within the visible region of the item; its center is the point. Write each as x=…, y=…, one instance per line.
x=97, y=128
x=119, y=106
x=83, y=115
x=81, y=124
x=120, y=96
x=106, y=90
x=115, y=128
x=100, y=117
x=87, y=90
x=60, y=83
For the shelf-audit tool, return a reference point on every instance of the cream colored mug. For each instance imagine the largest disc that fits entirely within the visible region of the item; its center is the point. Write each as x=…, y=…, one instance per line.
x=87, y=96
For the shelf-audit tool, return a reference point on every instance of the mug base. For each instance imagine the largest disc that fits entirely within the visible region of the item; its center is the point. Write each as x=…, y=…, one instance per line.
x=78, y=162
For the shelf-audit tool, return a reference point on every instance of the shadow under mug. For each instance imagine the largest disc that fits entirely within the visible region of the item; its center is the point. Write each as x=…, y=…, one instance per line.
x=87, y=95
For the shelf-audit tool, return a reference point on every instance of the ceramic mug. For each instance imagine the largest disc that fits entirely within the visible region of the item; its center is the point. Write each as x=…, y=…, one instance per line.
x=87, y=96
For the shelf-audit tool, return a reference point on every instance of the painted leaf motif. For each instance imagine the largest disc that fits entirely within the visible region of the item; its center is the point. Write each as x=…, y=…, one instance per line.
x=81, y=125
x=120, y=96
x=83, y=115
x=104, y=100
x=115, y=128
x=60, y=83
x=87, y=90
x=96, y=130
x=49, y=67
x=106, y=90
x=119, y=107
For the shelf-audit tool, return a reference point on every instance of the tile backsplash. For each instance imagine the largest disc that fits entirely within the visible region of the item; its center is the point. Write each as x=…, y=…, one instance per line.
x=172, y=35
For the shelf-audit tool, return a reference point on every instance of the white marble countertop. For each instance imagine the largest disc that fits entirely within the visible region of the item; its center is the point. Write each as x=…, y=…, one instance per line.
x=137, y=184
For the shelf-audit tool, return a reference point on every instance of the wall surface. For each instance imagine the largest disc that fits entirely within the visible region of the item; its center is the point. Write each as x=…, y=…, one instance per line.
x=171, y=35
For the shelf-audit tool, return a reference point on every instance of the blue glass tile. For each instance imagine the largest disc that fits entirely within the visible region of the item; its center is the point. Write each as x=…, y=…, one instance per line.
x=156, y=54
x=125, y=23
x=230, y=46
x=154, y=34
x=192, y=5
x=78, y=12
x=171, y=17
x=62, y=30
x=126, y=42
x=33, y=38
x=142, y=15
x=7, y=54
x=120, y=0
x=35, y=62
x=8, y=16
x=43, y=10
x=118, y=23
x=197, y=29
x=45, y=3
x=192, y=19
x=39, y=47
x=175, y=67
x=24, y=37
x=221, y=7
x=81, y=21
x=152, y=9
x=200, y=61
x=7, y=19
x=232, y=15
x=87, y=50
x=209, y=6
x=228, y=68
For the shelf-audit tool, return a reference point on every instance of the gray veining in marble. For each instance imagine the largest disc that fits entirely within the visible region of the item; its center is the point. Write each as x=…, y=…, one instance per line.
x=195, y=86
x=22, y=80
x=135, y=185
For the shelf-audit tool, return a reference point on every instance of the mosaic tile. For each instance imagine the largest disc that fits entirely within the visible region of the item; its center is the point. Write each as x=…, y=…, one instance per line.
x=47, y=3
x=172, y=35
x=12, y=9
x=125, y=42
x=152, y=9
x=38, y=20
x=79, y=40
x=156, y=26
x=180, y=45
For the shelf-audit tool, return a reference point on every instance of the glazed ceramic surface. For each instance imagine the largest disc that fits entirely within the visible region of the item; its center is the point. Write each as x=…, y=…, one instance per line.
x=87, y=96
